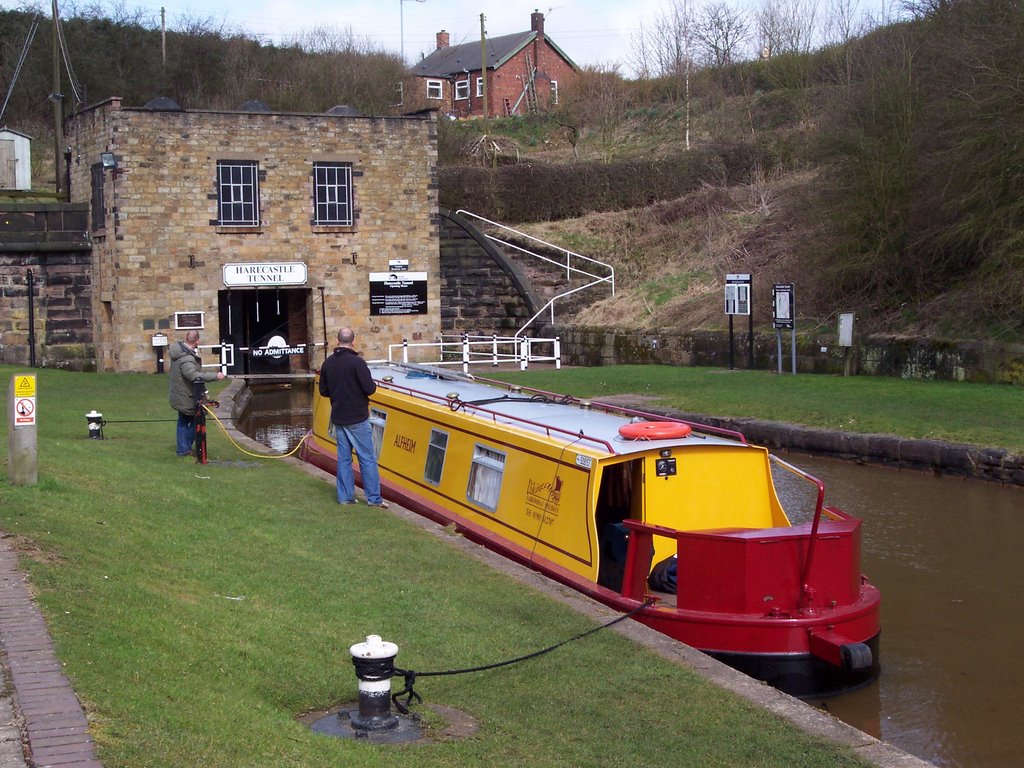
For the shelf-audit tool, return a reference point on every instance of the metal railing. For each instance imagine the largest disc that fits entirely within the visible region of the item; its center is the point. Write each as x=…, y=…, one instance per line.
x=574, y=264
x=479, y=350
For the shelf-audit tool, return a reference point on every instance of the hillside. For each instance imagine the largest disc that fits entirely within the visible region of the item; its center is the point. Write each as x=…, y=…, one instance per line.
x=884, y=176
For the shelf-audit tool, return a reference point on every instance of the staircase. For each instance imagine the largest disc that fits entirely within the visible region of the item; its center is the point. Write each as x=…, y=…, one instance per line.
x=560, y=277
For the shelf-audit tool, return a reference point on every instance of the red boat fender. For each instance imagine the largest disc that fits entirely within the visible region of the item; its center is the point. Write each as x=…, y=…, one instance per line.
x=655, y=430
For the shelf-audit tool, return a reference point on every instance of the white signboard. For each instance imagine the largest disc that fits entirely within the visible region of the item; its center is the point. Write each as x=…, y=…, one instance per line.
x=264, y=274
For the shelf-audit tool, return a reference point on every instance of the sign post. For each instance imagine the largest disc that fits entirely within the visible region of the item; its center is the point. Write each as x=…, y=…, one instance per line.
x=784, y=316
x=22, y=455
x=737, y=302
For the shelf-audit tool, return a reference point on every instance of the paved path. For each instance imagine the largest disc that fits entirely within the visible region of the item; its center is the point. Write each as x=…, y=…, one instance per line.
x=40, y=716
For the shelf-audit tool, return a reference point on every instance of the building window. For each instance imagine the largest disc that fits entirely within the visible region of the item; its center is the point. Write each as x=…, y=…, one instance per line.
x=554, y=92
x=99, y=203
x=399, y=95
x=480, y=87
x=435, y=89
x=238, y=193
x=485, y=477
x=461, y=89
x=435, y=456
x=332, y=194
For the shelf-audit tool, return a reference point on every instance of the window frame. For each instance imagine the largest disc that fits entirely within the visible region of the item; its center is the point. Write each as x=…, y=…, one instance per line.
x=378, y=423
x=236, y=202
x=480, y=87
x=434, y=84
x=437, y=451
x=486, y=473
x=554, y=93
x=326, y=182
x=462, y=89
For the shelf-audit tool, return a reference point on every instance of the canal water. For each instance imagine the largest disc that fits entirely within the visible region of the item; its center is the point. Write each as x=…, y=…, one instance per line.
x=948, y=557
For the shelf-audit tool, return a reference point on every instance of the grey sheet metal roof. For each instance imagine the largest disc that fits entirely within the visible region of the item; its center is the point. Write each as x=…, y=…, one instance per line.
x=456, y=59
x=524, y=413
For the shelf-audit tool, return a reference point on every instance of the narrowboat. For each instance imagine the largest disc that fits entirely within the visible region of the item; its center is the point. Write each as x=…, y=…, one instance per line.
x=678, y=521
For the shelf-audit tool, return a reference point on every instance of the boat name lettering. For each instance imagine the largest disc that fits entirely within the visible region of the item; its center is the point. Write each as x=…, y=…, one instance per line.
x=405, y=443
x=542, y=499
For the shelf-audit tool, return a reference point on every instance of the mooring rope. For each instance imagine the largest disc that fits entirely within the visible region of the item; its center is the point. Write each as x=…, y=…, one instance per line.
x=249, y=453
x=382, y=669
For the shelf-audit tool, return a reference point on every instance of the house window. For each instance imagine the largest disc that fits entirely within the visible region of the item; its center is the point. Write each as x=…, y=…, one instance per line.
x=99, y=203
x=378, y=420
x=435, y=456
x=554, y=92
x=238, y=193
x=435, y=89
x=485, y=477
x=332, y=194
x=461, y=89
x=480, y=87
x=399, y=95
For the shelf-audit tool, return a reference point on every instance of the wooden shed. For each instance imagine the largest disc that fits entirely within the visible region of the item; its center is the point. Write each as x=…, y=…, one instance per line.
x=15, y=160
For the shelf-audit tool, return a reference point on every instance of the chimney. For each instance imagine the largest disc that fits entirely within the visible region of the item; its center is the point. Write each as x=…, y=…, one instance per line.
x=442, y=40
x=537, y=24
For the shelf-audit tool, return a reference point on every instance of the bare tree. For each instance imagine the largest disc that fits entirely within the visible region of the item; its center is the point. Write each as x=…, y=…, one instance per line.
x=786, y=26
x=595, y=102
x=720, y=32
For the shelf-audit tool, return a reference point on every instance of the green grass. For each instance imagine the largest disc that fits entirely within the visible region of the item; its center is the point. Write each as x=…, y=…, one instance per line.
x=198, y=610
x=977, y=414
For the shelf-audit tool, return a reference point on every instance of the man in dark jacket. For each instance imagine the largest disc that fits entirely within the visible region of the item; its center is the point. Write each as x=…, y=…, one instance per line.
x=345, y=379
x=185, y=369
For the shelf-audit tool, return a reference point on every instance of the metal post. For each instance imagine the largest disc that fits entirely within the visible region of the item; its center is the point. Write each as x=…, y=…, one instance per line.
x=731, y=343
x=31, y=281
x=778, y=348
x=199, y=395
x=374, y=661
x=792, y=342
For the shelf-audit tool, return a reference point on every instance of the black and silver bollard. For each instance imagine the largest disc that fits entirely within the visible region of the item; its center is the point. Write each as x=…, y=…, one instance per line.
x=374, y=661
x=96, y=423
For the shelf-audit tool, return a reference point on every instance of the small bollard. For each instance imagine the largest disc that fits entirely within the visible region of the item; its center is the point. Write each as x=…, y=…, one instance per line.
x=374, y=661
x=95, y=424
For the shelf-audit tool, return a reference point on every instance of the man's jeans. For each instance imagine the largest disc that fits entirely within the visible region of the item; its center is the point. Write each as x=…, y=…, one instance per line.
x=186, y=433
x=358, y=437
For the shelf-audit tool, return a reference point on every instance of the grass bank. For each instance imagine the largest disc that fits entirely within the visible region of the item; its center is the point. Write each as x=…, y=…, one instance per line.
x=200, y=609
x=977, y=414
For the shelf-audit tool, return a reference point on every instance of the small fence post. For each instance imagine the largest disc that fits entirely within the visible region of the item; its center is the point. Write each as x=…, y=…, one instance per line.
x=465, y=353
x=558, y=352
x=405, y=351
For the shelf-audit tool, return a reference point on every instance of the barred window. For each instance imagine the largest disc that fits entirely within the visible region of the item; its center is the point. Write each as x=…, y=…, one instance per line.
x=332, y=194
x=238, y=193
x=99, y=203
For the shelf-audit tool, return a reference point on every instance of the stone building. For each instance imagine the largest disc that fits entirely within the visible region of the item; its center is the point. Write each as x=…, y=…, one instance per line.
x=265, y=231
x=524, y=72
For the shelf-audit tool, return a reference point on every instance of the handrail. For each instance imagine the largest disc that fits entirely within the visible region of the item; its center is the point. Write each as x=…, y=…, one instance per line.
x=806, y=591
x=456, y=404
x=569, y=268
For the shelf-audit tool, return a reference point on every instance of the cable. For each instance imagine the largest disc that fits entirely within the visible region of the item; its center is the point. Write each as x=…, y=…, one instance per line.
x=410, y=676
x=248, y=453
x=33, y=27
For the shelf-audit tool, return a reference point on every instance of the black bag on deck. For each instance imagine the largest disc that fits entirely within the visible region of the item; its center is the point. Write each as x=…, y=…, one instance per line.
x=663, y=575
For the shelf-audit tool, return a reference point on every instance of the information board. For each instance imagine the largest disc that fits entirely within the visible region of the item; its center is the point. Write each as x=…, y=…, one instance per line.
x=398, y=293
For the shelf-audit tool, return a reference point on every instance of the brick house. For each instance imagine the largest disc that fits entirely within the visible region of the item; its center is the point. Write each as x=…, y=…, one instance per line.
x=524, y=72
x=265, y=231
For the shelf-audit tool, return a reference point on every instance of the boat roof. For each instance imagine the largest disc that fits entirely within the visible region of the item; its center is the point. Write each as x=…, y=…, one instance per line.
x=595, y=427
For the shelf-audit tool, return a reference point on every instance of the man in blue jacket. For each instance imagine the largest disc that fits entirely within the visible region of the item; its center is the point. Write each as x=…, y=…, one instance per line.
x=345, y=379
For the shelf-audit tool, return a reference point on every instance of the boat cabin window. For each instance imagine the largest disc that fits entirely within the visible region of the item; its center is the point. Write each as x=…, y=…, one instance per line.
x=435, y=456
x=377, y=421
x=485, y=477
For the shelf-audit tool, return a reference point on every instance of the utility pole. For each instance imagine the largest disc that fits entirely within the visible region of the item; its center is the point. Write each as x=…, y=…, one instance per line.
x=57, y=98
x=483, y=65
x=163, y=37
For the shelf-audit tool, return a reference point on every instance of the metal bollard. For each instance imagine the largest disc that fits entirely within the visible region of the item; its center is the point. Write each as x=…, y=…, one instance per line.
x=95, y=424
x=374, y=663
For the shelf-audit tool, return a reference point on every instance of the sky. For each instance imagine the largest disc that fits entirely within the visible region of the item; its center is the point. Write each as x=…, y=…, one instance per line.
x=590, y=32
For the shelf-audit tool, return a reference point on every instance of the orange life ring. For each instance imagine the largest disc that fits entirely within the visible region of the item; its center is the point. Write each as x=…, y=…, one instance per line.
x=655, y=430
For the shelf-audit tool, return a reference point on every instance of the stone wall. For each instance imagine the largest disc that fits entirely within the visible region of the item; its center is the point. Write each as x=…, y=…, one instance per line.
x=51, y=241
x=924, y=359
x=159, y=249
x=482, y=291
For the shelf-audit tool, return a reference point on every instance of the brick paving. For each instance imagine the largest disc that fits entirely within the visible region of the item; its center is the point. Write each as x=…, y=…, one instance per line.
x=41, y=720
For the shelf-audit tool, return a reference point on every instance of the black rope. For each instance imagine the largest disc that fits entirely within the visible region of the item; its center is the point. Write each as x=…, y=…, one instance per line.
x=410, y=675
x=133, y=421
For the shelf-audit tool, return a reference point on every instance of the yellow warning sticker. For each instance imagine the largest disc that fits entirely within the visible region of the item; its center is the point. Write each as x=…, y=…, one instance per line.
x=25, y=385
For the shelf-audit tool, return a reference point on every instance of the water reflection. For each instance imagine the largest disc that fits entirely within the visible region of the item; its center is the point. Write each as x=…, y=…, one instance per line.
x=945, y=554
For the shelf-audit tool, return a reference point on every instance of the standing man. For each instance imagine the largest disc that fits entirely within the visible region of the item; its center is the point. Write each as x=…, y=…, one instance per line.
x=186, y=369
x=345, y=379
